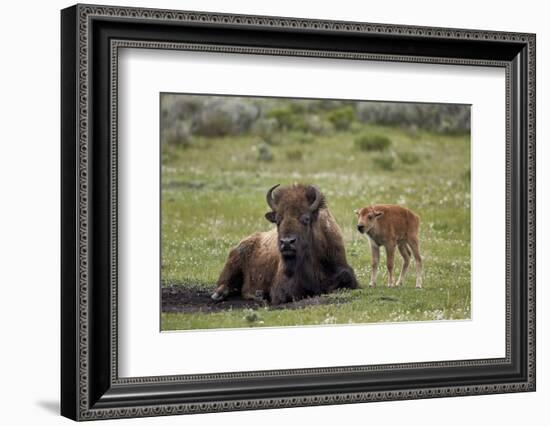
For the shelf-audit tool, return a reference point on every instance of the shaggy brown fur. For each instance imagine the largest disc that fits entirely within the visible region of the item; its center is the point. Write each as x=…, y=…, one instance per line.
x=303, y=256
x=391, y=226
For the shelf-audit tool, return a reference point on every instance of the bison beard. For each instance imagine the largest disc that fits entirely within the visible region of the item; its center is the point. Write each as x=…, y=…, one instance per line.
x=304, y=256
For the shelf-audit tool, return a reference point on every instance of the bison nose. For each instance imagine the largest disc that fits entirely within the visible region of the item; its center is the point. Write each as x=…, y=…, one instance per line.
x=360, y=228
x=287, y=241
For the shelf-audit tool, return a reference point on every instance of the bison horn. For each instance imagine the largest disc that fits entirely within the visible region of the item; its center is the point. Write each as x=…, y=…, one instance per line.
x=269, y=197
x=317, y=201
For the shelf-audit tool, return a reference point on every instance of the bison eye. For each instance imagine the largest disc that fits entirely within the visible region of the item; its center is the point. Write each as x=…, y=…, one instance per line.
x=370, y=216
x=271, y=216
x=305, y=219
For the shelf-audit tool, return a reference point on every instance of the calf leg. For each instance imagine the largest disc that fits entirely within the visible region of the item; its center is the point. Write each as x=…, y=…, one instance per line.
x=404, y=250
x=231, y=277
x=390, y=252
x=413, y=242
x=375, y=250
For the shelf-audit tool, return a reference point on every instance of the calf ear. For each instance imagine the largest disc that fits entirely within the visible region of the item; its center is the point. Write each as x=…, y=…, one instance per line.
x=271, y=217
x=378, y=213
x=356, y=211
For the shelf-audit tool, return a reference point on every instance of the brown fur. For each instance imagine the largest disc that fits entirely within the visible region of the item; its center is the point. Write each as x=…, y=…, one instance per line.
x=391, y=226
x=257, y=269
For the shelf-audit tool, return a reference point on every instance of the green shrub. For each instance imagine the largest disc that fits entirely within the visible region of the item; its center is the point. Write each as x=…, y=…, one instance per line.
x=385, y=161
x=372, y=142
x=408, y=157
x=264, y=153
x=341, y=118
x=298, y=106
x=294, y=155
x=282, y=115
x=265, y=128
x=287, y=119
x=449, y=119
x=221, y=117
x=217, y=124
x=177, y=134
x=316, y=125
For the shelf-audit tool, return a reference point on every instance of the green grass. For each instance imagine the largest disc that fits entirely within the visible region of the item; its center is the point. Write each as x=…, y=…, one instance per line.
x=213, y=195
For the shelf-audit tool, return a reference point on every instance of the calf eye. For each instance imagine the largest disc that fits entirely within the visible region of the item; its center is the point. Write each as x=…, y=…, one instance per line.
x=370, y=216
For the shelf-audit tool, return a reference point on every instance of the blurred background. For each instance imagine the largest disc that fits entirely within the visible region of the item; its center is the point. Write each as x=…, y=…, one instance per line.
x=185, y=116
x=220, y=154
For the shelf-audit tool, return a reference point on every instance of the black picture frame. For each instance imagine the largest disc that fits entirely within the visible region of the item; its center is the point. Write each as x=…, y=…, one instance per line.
x=90, y=386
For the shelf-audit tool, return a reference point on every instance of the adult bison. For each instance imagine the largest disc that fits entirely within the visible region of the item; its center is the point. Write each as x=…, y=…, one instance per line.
x=303, y=256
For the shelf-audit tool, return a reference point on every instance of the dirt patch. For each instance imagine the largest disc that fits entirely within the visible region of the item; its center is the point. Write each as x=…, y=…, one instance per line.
x=191, y=300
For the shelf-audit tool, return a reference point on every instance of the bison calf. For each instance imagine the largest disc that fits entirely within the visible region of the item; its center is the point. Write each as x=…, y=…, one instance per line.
x=391, y=226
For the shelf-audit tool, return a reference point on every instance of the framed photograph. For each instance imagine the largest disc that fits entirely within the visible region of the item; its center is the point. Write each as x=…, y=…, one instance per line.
x=263, y=212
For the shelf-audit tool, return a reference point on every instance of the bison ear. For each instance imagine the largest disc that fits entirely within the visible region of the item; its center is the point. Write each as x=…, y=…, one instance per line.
x=271, y=217
x=378, y=213
x=356, y=211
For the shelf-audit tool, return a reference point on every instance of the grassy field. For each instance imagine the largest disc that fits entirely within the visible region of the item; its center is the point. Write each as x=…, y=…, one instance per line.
x=213, y=195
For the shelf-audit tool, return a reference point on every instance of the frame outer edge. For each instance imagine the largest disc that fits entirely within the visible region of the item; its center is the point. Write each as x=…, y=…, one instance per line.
x=531, y=200
x=69, y=221
x=83, y=12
